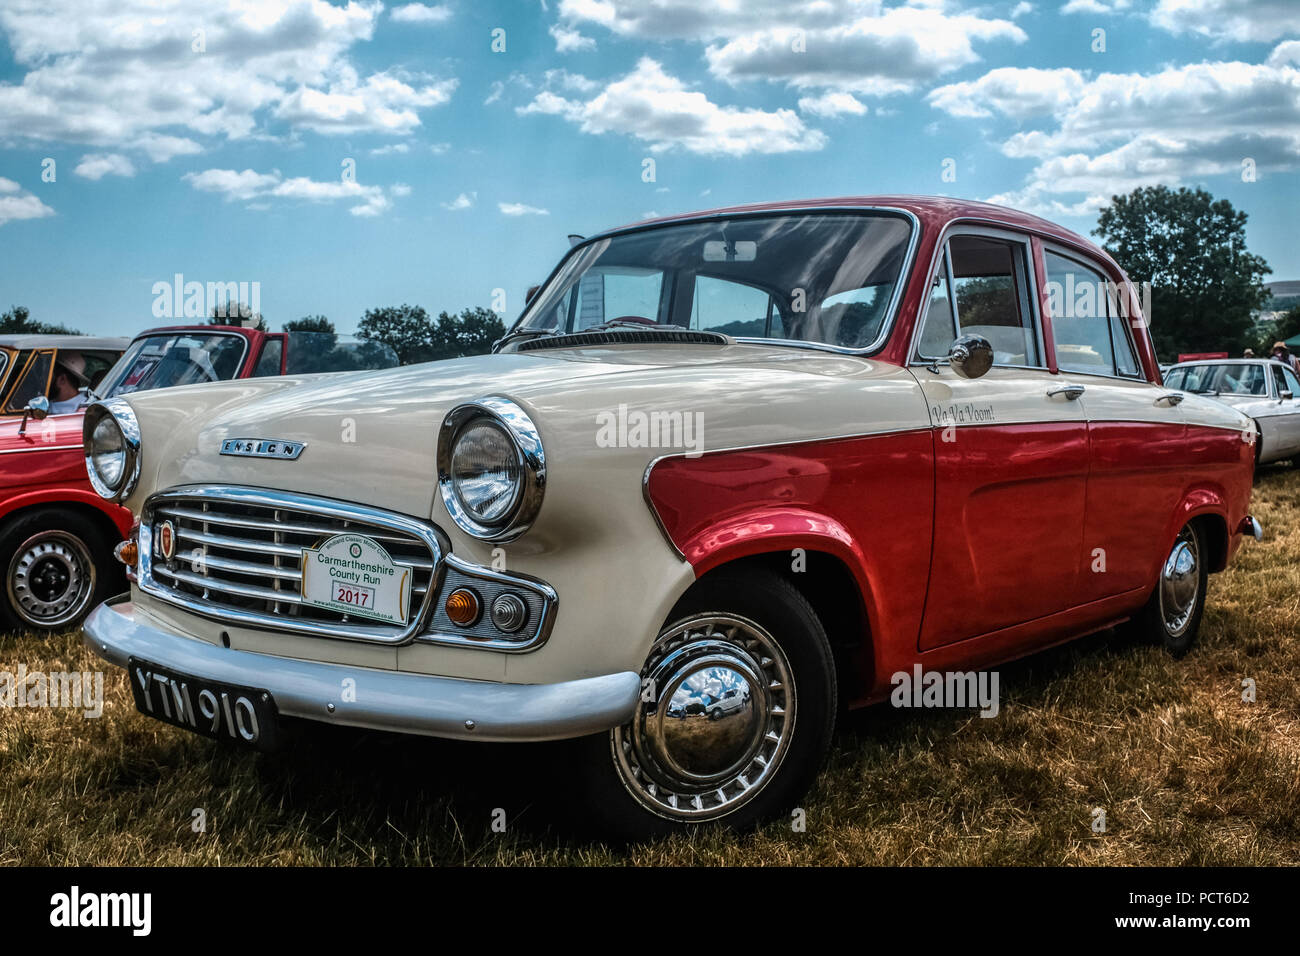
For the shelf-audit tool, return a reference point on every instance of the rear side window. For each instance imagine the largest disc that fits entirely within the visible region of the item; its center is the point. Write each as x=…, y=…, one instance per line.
x=1087, y=327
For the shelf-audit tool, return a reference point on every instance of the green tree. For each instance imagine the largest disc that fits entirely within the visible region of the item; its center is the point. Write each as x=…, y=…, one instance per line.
x=1191, y=248
x=18, y=321
x=405, y=328
x=310, y=323
x=1286, y=327
x=470, y=333
x=231, y=312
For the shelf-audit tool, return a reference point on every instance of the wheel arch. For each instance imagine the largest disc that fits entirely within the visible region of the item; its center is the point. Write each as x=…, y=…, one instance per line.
x=837, y=593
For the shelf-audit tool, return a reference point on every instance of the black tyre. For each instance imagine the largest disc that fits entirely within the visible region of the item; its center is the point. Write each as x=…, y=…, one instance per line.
x=1172, y=615
x=57, y=566
x=751, y=642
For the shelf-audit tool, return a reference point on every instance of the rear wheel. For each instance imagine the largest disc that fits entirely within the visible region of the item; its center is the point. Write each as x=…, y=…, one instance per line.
x=58, y=566
x=737, y=710
x=1173, y=613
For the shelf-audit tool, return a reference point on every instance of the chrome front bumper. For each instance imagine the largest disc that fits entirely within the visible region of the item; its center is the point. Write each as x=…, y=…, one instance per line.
x=385, y=700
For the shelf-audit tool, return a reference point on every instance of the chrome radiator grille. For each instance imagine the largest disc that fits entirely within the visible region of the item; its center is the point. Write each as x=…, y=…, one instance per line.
x=238, y=557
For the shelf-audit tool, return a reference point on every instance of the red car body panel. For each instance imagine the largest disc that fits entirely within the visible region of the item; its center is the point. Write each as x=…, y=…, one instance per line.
x=910, y=515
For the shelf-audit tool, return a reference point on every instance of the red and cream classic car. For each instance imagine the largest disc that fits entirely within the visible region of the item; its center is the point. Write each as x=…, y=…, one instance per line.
x=729, y=472
x=56, y=534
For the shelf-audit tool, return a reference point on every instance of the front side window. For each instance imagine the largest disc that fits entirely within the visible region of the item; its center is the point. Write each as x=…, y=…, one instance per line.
x=174, y=358
x=818, y=277
x=34, y=380
x=982, y=289
x=268, y=364
x=1292, y=382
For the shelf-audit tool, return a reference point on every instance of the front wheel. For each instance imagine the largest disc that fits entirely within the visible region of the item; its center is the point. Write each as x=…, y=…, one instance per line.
x=57, y=565
x=738, y=705
x=1173, y=613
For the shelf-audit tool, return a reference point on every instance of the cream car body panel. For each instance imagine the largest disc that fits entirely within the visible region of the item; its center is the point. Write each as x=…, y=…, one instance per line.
x=594, y=532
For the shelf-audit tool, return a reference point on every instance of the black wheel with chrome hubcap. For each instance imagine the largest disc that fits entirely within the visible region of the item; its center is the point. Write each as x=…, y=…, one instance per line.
x=57, y=567
x=736, y=713
x=1172, y=615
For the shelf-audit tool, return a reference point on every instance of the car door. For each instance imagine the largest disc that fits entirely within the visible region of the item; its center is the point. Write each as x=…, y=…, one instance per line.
x=1135, y=428
x=1286, y=389
x=1011, y=454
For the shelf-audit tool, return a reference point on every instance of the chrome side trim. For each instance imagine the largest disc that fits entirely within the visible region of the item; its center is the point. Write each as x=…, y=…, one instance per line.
x=396, y=701
x=354, y=631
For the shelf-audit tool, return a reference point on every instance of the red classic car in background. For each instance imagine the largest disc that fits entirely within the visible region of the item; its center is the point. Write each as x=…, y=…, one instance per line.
x=56, y=534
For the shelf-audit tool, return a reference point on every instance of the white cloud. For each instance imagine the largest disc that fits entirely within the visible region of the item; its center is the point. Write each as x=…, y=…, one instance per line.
x=658, y=109
x=98, y=165
x=855, y=46
x=1096, y=7
x=1260, y=21
x=391, y=149
x=249, y=184
x=439, y=149
x=232, y=184
x=1018, y=92
x=1116, y=131
x=382, y=102
x=126, y=75
x=1021, y=9
x=420, y=13
x=570, y=41
x=400, y=190
x=521, y=209
x=17, y=203
x=463, y=201
x=831, y=104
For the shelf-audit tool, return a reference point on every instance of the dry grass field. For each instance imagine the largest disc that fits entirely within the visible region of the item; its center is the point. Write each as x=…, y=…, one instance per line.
x=1187, y=773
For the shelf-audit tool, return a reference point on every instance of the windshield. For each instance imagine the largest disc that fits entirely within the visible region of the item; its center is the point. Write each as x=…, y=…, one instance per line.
x=816, y=277
x=4, y=364
x=174, y=358
x=1223, y=379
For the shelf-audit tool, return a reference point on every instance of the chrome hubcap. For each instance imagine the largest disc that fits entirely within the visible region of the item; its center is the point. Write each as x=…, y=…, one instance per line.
x=715, y=720
x=51, y=579
x=1180, y=580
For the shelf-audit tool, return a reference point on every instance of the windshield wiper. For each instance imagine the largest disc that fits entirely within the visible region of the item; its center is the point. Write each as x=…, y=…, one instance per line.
x=518, y=333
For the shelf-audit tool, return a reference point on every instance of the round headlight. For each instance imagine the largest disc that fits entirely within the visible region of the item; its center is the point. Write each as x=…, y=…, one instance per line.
x=111, y=438
x=108, y=452
x=485, y=472
x=491, y=468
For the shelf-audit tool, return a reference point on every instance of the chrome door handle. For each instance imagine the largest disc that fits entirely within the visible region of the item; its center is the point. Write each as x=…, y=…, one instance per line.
x=1170, y=400
x=1071, y=392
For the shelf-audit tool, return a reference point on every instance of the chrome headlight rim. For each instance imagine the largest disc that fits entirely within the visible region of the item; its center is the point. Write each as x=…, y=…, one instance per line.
x=524, y=436
x=123, y=417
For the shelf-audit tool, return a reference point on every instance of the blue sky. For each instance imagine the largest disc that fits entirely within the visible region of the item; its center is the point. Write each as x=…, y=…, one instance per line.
x=221, y=154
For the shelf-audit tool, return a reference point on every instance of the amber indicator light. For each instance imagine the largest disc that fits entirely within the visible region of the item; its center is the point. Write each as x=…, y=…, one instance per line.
x=463, y=607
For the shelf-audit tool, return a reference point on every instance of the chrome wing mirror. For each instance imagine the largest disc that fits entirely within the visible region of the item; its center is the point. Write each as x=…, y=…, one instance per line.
x=971, y=356
x=38, y=408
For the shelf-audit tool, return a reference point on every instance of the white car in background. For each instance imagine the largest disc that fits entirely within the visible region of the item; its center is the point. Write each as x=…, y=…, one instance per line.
x=1267, y=391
